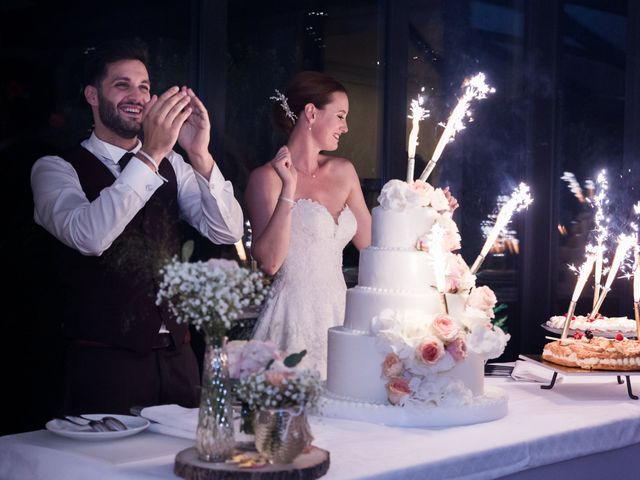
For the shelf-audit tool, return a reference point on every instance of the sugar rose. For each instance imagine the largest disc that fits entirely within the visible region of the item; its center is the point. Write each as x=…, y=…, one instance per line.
x=397, y=390
x=421, y=186
x=451, y=240
x=457, y=349
x=483, y=298
x=392, y=366
x=452, y=285
x=438, y=200
x=423, y=244
x=430, y=351
x=444, y=327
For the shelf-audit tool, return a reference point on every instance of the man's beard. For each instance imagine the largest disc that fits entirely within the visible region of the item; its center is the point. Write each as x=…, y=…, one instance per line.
x=109, y=116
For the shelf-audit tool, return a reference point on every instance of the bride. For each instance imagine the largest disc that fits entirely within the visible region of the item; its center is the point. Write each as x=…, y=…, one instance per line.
x=304, y=208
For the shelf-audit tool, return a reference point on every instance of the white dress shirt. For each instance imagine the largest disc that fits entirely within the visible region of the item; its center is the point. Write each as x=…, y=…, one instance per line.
x=62, y=208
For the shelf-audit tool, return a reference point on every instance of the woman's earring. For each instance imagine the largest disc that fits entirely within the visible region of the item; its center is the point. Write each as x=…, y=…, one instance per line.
x=309, y=127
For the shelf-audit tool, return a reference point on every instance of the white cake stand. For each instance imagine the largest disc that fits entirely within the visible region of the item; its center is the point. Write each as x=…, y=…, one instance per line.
x=490, y=406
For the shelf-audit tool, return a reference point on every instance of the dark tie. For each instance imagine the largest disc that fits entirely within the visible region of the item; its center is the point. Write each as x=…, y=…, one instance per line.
x=124, y=160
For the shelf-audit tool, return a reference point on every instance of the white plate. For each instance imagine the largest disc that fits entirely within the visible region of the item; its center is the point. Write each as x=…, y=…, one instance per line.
x=596, y=332
x=66, y=429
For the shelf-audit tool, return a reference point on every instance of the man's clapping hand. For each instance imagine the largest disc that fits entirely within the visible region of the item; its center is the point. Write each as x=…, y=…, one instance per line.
x=163, y=117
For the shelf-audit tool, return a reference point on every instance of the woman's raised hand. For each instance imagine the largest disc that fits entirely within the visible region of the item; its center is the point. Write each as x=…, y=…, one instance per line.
x=283, y=166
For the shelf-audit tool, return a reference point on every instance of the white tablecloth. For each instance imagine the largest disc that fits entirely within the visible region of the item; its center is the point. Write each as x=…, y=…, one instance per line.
x=588, y=426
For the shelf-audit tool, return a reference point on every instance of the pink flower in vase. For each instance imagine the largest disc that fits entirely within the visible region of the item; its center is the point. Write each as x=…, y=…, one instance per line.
x=397, y=390
x=278, y=377
x=234, y=349
x=392, y=366
x=457, y=349
x=255, y=357
x=430, y=351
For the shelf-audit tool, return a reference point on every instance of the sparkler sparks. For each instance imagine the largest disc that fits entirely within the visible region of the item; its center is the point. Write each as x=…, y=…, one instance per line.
x=520, y=199
x=475, y=88
x=418, y=113
x=574, y=186
x=599, y=201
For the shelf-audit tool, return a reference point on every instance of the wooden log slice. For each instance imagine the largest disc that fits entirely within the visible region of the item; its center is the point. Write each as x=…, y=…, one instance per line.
x=308, y=465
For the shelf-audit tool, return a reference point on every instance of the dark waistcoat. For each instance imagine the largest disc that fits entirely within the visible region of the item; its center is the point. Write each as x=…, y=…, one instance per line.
x=111, y=298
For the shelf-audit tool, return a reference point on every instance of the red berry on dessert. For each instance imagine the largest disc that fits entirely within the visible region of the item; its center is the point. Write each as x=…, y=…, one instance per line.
x=619, y=336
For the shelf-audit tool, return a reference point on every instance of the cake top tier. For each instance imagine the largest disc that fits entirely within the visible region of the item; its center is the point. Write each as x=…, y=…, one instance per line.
x=405, y=213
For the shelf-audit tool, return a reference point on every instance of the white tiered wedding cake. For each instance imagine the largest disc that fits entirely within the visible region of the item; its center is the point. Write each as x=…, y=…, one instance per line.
x=399, y=359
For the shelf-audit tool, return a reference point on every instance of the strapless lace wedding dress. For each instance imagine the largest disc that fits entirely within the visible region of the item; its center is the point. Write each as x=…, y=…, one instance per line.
x=307, y=295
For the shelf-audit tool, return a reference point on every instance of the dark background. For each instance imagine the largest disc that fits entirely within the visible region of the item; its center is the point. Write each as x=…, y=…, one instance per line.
x=567, y=77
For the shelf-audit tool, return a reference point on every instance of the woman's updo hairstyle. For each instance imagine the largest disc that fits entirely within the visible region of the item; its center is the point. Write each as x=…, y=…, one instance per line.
x=305, y=87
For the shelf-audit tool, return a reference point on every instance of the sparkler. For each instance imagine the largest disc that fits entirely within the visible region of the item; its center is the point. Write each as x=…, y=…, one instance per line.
x=636, y=275
x=636, y=294
x=475, y=88
x=574, y=186
x=583, y=274
x=520, y=198
x=624, y=243
x=437, y=251
x=418, y=113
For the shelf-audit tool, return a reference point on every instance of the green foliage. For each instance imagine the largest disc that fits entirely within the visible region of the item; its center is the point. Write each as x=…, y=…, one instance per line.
x=294, y=359
x=187, y=250
x=500, y=321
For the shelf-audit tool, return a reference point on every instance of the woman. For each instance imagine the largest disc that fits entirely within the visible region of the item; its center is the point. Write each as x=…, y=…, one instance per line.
x=304, y=207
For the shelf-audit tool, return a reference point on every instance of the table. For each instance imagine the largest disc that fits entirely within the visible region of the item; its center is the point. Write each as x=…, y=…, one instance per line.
x=583, y=428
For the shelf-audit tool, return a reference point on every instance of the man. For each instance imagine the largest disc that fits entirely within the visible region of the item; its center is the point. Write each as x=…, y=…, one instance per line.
x=117, y=223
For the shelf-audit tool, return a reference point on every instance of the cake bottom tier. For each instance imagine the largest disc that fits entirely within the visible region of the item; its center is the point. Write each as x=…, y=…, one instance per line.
x=490, y=406
x=354, y=368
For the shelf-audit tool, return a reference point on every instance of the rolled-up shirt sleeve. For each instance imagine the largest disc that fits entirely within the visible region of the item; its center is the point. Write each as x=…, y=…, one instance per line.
x=208, y=205
x=62, y=208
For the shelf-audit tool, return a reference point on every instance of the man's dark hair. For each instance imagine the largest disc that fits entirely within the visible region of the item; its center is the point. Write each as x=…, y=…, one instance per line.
x=97, y=58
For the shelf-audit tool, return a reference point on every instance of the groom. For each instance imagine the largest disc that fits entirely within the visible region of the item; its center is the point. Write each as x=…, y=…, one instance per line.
x=114, y=203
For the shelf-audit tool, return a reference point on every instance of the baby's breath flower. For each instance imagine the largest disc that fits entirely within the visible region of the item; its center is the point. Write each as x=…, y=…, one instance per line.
x=209, y=295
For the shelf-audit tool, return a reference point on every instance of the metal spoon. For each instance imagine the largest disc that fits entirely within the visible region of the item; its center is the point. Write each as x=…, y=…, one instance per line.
x=114, y=424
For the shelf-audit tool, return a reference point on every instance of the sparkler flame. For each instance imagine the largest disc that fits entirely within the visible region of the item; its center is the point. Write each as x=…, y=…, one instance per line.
x=475, y=88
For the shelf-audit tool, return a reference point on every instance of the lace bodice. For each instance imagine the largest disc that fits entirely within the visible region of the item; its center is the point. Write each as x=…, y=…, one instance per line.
x=316, y=244
x=308, y=293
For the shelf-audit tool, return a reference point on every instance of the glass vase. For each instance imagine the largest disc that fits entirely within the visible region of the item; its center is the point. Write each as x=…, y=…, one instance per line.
x=282, y=434
x=214, y=436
